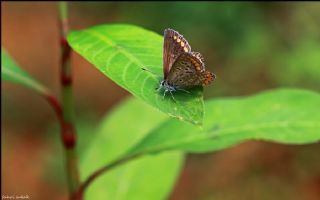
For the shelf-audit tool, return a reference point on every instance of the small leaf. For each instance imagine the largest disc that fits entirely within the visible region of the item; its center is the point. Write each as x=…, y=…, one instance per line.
x=284, y=116
x=11, y=72
x=135, y=180
x=120, y=51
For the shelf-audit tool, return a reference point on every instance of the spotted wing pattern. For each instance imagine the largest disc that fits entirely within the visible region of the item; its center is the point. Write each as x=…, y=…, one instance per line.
x=174, y=44
x=188, y=70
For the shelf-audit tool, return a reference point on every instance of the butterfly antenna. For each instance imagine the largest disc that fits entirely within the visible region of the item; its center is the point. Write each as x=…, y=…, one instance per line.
x=149, y=71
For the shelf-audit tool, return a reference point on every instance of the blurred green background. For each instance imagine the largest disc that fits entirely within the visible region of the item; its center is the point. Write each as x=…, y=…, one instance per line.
x=249, y=46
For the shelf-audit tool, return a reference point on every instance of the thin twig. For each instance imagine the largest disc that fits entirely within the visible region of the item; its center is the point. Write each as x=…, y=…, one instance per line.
x=68, y=130
x=56, y=105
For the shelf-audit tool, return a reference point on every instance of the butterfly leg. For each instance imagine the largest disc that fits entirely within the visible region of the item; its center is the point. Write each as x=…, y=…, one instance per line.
x=164, y=94
x=184, y=90
x=172, y=96
x=158, y=89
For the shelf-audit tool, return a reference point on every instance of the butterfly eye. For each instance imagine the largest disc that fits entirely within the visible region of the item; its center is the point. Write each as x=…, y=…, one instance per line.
x=162, y=83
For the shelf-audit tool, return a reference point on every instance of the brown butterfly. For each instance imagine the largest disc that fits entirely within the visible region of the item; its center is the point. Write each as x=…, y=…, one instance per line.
x=182, y=68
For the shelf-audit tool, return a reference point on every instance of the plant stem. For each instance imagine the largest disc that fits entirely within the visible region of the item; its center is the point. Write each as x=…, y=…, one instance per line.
x=56, y=105
x=68, y=132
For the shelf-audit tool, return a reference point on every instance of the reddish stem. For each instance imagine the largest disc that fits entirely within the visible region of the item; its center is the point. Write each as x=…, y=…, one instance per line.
x=65, y=75
x=56, y=105
x=68, y=135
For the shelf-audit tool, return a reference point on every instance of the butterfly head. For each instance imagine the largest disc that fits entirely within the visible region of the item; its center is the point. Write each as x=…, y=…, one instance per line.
x=162, y=83
x=166, y=86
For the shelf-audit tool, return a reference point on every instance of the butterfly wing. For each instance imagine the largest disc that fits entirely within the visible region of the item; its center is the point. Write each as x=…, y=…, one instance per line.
x=174, y=44
x=188, y=70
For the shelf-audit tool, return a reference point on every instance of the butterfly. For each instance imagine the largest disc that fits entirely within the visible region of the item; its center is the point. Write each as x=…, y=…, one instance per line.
x=182, y=68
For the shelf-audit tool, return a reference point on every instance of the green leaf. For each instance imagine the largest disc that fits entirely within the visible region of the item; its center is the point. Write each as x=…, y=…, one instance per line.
x=135, y=180
x=284, y=116
x=120, y=51
x=149, y=177
x=11, y=72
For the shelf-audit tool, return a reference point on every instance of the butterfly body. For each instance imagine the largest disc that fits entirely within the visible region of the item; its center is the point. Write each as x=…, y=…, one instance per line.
x=182, y=68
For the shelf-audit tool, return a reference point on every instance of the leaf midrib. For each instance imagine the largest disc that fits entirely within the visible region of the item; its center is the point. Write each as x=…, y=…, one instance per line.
x=132, y=58
x=229, y=132
x=114, y=45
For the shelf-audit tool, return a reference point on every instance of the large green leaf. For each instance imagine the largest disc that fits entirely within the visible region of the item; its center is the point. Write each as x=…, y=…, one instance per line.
x=284, y=116
x=120, y=51
x=11, y=72
x=118, y=132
